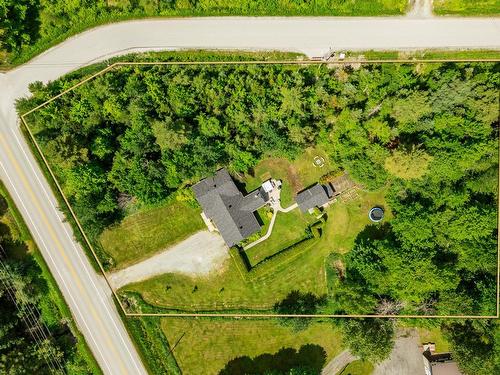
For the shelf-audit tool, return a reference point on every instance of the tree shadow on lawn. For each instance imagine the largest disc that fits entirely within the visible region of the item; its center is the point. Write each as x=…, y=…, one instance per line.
x=374, y=232
x=309, y=357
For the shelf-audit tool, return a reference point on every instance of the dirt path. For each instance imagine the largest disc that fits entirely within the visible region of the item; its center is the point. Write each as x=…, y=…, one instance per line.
x=196, y=255
x=421, y=9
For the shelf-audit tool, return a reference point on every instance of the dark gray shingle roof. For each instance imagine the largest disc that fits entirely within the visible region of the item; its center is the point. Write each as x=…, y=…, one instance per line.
x=225, y=205
x=315, y=196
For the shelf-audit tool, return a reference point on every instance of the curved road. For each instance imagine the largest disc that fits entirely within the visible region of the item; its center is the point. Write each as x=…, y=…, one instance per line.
x=88, y=297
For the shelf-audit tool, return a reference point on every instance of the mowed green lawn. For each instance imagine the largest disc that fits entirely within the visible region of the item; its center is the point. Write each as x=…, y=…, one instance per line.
x=289, y=228
x=296, y=175
x=225, y=288
x=358, y=367
x=148, y=231
x=207, y=345
x=467, y=7
x=436, y=336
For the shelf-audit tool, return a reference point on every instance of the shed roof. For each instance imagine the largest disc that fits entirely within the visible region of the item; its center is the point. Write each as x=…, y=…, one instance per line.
x=315, y=196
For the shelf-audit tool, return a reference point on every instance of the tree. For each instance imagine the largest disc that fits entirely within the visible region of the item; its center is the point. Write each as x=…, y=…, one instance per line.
x=408, y=165
x=297, y=303
x=370, y=339
x=19, y=23
x=475, y=345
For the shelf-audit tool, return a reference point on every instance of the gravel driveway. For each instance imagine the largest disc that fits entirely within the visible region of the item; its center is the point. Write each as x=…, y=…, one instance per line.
x=197, y=255
x=338, y=363
x=405, y=359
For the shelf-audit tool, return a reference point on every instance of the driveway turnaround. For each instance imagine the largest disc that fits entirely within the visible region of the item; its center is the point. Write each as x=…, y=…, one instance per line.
x=88, y=297
x=405, y=358
x=197, y=255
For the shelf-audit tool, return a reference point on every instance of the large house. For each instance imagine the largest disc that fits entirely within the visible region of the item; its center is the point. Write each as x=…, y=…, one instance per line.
x=228, y=209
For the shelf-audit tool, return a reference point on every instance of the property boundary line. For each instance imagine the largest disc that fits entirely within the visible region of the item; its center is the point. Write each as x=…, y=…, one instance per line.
x=258, y=62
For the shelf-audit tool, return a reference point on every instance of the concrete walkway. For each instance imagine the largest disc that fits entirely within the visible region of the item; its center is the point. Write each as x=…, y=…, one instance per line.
x=197, y=255
x=289, y=208
x=267, y=235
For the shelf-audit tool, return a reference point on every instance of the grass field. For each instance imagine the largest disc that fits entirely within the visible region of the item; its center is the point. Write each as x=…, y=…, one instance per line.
x=207, y=345
x=467, y=7
x=226, y=289
x=358, y=367
x=148, y=231
x=289, y=228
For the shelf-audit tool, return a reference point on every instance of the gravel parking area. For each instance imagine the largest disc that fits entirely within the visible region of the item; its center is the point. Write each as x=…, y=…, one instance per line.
x=197, y=255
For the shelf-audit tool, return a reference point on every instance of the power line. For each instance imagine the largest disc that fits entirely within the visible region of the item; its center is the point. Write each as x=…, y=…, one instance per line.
x=31, y=318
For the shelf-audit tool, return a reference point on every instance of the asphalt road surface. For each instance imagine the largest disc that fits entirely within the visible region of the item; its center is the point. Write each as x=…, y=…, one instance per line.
x=88, y=297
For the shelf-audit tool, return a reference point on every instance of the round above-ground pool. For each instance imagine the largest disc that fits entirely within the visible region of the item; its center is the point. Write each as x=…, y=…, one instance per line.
x=376, y=214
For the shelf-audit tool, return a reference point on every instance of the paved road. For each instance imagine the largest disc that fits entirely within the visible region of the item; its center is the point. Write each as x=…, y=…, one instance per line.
x=87, y=296
x=197, y=255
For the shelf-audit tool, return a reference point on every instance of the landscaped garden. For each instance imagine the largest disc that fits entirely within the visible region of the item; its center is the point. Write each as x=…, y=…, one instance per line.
x=289, y=228
x=296, y=175
x=227, y=289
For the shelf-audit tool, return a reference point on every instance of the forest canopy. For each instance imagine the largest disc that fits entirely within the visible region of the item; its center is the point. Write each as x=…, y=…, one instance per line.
x=428, y=133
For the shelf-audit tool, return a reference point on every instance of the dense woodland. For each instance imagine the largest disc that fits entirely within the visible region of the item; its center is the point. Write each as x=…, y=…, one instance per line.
x=35, y=329
x=427, y=133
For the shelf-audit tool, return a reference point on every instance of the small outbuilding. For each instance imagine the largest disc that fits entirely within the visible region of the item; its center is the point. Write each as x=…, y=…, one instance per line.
x=438, y=363
x=315, y=196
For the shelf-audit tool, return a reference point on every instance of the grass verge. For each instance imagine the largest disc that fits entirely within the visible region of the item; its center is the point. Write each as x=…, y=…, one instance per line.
x=152, y=345
x=431, y=54
x=358, y=367
x=467, y=7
